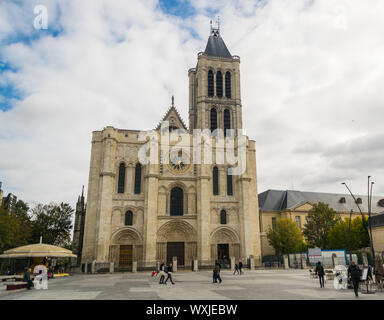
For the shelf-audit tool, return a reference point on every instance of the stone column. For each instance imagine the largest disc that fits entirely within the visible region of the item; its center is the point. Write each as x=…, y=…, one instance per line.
x=203, y=219
x=286, y=263
x=174, y=264
x=150, y=218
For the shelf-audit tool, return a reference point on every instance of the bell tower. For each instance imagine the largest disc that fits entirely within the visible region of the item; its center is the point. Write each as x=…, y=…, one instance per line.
x=214, y=87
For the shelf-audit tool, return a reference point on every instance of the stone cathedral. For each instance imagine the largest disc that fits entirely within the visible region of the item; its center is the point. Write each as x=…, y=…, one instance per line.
x=154, y=212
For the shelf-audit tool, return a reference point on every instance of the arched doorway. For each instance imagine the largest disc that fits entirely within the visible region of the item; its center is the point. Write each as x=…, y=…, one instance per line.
x=176, y=238
x=225, y=244
x=126, y=247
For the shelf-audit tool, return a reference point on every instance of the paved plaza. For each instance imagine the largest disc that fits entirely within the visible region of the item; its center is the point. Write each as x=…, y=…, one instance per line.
x=252, y=285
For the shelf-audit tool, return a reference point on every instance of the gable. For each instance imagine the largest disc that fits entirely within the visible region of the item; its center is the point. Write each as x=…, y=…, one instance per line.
x=303, y=207
x=174, y=119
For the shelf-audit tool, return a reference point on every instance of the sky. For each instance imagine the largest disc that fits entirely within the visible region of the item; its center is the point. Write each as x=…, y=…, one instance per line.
x=312, y=75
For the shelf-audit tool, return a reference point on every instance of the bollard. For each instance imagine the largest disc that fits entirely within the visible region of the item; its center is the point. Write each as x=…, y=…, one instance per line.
x=93, y=266
x=174, y=264
x=303, y=262
x=251, y=263
x=286, y=263
x=111, y=267
x=195, y=265
x=233, y=261
x=134, y=266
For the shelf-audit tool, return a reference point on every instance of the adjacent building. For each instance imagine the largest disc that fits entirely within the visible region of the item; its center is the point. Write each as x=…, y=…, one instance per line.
x=295, y=205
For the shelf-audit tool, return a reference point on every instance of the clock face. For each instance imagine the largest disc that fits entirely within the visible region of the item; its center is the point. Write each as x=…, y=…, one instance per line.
x=179, y=162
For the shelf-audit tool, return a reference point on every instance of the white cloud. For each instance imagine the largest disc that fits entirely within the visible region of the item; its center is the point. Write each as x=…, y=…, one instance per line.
x=312, y=74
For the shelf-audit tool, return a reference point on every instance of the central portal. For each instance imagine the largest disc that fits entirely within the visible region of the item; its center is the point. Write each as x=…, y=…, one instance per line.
x=125, y=258
x=175, y=249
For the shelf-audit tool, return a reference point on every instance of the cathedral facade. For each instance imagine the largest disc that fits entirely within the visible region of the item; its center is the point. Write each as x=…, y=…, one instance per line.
x=176, y=206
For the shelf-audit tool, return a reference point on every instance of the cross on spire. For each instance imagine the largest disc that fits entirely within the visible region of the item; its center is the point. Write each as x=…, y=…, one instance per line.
x=215, y=31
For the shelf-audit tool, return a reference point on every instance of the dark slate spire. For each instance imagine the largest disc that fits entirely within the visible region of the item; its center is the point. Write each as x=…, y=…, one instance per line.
x=216, y=46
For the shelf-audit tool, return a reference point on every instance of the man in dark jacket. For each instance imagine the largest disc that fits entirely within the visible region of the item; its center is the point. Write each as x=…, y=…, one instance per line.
x=354, y=274
x=169, y=271
x=320, y=273
x=27, y=278
x=241, y=267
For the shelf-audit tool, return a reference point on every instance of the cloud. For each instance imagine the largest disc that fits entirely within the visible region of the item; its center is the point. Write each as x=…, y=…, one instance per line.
x=312, y=73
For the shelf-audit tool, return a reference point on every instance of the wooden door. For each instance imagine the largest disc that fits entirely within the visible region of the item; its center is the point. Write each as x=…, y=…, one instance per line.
x=175, y=249
x=125, y=257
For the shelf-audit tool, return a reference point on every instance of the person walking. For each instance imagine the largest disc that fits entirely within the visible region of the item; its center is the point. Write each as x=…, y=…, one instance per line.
x=236, y=269
x=169, y=271
x=241, y=267
x=320, y=273
x=27, y=278
x=162, y=273
x=354, y=274
x=216, y=273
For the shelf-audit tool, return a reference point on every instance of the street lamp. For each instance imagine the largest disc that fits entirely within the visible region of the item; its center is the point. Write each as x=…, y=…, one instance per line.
x=369, y=215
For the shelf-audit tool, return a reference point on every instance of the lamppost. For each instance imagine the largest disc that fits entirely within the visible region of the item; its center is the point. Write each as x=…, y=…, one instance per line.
x=369, y=215
x=347, y=236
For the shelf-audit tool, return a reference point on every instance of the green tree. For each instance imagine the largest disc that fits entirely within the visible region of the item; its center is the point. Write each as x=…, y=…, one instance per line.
x=359, y=238
x=53, y=223
x=285, y=237
x=15, y=228
x=321, y=218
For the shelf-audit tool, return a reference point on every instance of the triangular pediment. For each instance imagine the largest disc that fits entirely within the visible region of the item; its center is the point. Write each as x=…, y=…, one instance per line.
x=174, y=119
x=305, y=206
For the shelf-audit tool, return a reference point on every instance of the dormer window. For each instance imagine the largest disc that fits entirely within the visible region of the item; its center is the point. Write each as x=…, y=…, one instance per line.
x=342, y=200
x=359, y=201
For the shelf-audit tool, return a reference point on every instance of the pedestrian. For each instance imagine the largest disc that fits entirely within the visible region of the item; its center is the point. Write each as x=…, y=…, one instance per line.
x=320, y=273
x=216, y=273
x=241, y=267
x=354, y=275
x=169, y=271
x=236, y=269
x=27, y=278
x=162, y=273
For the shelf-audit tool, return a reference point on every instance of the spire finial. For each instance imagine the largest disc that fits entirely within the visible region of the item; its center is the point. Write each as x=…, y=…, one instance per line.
x=173, y=101
x=215, y=31
x=82, y=192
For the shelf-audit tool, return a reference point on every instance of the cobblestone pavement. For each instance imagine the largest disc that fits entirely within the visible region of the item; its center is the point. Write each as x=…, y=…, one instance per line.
x=252, y=285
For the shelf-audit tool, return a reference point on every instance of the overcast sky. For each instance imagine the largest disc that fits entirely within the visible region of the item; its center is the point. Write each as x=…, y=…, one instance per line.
x=312, y=82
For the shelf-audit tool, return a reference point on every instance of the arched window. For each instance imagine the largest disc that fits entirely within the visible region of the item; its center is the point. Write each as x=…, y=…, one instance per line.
x=177, y=201
x=121, y=182
x=219, y=84
x=223, y=217
x=210, y=84
x=213, y=119
x=359, y=201
x=138, y=179
x=215, y=180
x=229, y=184
x=128, y=218
x=227, y=121
x=228, y=84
